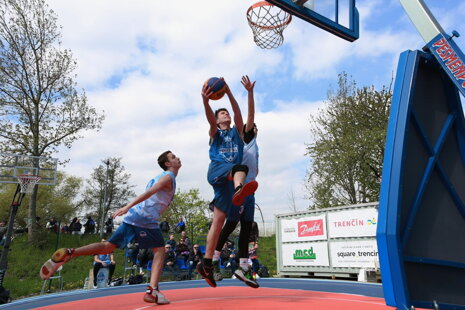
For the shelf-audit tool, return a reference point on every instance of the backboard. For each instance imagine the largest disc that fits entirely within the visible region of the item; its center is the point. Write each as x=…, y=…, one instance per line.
x=339, y=17
x=12, y=165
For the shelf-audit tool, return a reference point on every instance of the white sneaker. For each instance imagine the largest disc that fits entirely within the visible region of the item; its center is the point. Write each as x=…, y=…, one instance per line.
x=246, y=277
x=154, y=296
x=60, y=257
x=162, y=300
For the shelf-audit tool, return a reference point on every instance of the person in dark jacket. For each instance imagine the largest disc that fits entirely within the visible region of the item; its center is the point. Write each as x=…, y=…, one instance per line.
x=75, y=226
x=194, y=258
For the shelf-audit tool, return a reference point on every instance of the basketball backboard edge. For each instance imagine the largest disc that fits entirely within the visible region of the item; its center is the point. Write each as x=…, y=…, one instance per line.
x=350, y=33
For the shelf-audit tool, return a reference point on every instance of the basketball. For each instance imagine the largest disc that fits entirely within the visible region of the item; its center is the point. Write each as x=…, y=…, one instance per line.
x=218, y=87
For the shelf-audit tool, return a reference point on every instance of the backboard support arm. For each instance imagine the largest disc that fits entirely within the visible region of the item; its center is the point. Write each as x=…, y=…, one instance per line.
x=422, y=18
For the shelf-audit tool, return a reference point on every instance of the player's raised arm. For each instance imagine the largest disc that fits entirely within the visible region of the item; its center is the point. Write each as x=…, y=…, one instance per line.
x=249, y=86
x=206, y=93
x=238, y=121
x=165, y=183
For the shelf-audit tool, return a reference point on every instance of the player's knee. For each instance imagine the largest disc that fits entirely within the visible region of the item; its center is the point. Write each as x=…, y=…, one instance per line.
x=240, y=168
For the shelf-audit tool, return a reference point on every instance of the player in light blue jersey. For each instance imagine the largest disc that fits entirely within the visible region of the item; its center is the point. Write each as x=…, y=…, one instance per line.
x=226, y=153
x=141, y=222
x=244, y=214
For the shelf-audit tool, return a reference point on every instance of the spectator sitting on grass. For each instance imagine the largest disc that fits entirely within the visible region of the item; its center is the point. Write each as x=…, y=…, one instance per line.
x=104, y=261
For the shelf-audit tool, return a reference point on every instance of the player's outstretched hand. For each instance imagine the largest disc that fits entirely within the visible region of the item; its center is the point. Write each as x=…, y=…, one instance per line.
x=247, y=84
x=206, y=92
x=228, y=90
x=121, y=211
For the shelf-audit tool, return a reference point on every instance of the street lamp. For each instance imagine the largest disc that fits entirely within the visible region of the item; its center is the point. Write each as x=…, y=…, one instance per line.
x=102, y=219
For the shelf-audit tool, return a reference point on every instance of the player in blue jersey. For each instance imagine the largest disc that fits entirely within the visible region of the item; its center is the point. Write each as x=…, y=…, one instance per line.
x=141, y=222
x=226, y=148
x=244, y=214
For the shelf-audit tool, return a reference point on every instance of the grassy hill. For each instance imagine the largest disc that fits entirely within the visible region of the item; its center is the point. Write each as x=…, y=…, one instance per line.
x=24, y=261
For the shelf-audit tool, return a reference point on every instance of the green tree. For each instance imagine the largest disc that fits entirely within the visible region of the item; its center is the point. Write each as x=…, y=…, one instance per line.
x=111, y=173
x=347, y=153
x=192, y=208
x=40, y=106
x=59, y=201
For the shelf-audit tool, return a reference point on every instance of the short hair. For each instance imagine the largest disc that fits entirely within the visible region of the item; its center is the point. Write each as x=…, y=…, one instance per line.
x=219, y=110
x=163, y=159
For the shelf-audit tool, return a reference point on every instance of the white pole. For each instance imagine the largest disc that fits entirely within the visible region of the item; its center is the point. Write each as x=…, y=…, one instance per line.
x=422, y=18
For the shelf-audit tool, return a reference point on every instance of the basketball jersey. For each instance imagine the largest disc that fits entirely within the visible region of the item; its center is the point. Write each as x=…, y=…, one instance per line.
x=226, y=147
x=250, y=158
x=146, y=214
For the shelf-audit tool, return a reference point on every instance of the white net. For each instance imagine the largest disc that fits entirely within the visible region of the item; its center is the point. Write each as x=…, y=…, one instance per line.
x=267, y=23
x=27, y=182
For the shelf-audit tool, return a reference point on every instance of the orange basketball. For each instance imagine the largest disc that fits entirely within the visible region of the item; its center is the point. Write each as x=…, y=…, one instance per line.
x=218, y=86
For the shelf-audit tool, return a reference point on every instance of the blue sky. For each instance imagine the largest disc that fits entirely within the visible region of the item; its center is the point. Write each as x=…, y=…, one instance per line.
x=144, y=62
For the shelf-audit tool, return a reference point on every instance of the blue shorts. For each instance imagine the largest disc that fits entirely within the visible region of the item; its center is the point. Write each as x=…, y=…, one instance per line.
x=145, y=237
x=246, y=212
x=222, y=187
x=218, y=172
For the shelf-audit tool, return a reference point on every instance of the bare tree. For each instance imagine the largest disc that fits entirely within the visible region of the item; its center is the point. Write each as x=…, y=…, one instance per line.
x=107, y=189
x=291, y=200
x=40, y=108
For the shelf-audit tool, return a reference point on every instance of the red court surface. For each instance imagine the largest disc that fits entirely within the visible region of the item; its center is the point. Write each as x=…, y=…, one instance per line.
x=241, y=298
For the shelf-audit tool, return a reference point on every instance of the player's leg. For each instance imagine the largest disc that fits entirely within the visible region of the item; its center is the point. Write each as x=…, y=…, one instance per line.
x=153, y=293
x=243, y=272
x=205, y=269
x=153, y=239
x=232, y=218
x=122, y=236
x=63, y=255
x=104, y=247
x=241, y=190
x=223, y=189
x=227, y=229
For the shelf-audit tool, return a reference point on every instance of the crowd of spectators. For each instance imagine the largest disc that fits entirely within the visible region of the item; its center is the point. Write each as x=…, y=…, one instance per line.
x=180, y=253
x=76, y=226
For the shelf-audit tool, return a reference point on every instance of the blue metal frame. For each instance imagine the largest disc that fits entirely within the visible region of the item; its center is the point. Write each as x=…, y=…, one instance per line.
x=350, y=34
x=387, y=232
x=392, y=238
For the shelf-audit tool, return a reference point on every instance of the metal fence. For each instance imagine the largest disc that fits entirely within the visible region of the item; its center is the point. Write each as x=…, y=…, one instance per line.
x=266, y=229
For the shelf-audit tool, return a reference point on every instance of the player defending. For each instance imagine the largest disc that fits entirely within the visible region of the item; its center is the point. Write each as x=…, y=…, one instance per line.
x=226, y=147
x=246, y=213
x=141, y=223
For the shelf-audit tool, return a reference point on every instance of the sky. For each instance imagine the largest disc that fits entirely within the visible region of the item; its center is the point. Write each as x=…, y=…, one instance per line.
x=143, y=62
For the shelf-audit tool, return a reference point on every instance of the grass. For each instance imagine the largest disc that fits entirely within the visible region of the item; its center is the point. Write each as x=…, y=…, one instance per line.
x=24, y=262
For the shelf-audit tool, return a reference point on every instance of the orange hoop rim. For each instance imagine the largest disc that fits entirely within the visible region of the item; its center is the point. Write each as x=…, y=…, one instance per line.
x=265, y=3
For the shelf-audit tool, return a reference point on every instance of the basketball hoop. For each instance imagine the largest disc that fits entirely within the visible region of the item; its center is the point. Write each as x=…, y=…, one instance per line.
x=268, y=23
x=27, y=182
